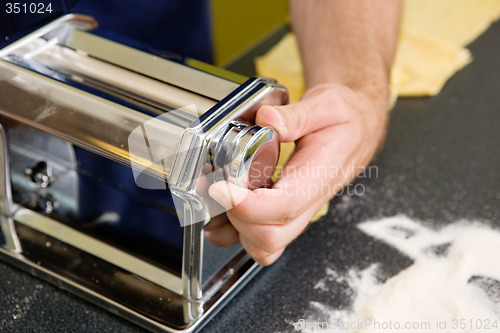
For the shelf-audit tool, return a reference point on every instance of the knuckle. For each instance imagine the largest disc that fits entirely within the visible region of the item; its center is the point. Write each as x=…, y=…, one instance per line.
x=300, y=119
x=271, y=240
x=291, y=214
x=261, y=257
x=266, y=261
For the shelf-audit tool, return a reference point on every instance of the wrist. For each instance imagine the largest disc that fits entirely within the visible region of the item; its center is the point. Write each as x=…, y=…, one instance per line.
x=371, y=98
x=367, y=106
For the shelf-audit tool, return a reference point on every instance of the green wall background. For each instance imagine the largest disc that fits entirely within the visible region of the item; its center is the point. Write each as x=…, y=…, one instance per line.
x=239, y=24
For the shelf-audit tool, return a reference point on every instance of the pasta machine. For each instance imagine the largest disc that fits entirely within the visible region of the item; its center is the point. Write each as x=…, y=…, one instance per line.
x=106, y=156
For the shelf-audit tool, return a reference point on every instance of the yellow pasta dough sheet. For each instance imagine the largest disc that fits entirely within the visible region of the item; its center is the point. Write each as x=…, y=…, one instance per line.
x=423, y=65
x=454, y=22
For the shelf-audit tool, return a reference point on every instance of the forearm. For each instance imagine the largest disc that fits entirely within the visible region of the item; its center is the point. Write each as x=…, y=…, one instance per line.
x=349, y=42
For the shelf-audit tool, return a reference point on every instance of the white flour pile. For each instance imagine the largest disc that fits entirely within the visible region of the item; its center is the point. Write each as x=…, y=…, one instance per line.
x=452, y=286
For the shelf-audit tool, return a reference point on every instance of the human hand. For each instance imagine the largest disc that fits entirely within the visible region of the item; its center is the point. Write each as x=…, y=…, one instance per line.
x=337, y=132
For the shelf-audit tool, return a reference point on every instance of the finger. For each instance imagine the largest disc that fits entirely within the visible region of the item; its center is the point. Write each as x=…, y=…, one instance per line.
x=266, y=243
x=322, y=160
x=258, y=255
x=227, y=194
x=269, y=237
x=315, y=111
x=217, y=221
x=300, y=183
x=262, y=206
x=224, y=235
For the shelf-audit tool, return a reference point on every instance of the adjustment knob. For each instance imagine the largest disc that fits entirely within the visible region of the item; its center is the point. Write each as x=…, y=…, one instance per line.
x=248, y=154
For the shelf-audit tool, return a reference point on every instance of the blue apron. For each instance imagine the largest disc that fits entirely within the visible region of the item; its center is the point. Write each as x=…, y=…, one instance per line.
x=178, y=26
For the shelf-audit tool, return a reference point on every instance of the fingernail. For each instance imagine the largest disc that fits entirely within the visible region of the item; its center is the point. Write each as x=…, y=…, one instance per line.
x=280, y=119
x=220, y=196
x=227, y=194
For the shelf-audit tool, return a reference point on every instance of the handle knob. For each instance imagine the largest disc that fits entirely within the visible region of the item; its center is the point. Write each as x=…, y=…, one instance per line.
x=248, y=154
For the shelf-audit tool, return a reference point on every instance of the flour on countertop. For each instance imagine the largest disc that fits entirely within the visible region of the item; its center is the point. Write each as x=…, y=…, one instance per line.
x=452, y=286
x=16, y=308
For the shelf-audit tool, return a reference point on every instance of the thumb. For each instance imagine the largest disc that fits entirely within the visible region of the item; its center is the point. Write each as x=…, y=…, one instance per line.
x=312, y=113
x=227, y=195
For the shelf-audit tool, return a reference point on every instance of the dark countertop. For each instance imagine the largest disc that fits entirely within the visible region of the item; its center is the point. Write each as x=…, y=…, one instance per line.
x=440, y=163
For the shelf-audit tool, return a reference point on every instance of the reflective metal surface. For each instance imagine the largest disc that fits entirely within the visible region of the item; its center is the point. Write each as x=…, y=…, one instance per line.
x=253, y=165
x=10, y=239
